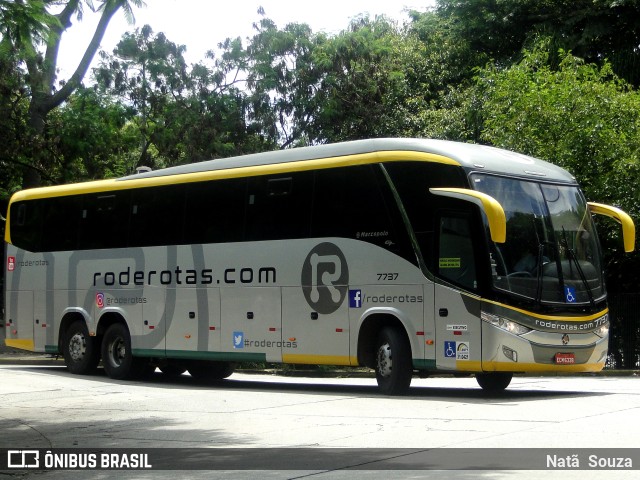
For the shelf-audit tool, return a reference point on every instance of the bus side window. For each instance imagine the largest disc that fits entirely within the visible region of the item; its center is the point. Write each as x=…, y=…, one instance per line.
x=61, y=222
x=104, y=221
x=157, y=215
x=456, y=259
x=26, y=225
x=278, y=206
x=356, y=202
x=215, y=211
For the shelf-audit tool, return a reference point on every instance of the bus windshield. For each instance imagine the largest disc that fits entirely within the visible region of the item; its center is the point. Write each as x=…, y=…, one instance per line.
x=551, y=254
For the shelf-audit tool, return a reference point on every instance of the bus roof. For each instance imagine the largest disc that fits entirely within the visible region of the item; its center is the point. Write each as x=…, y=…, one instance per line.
x=469, y=156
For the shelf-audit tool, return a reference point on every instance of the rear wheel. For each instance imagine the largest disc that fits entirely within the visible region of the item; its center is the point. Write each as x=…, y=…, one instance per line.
x=80, y=351
x=494, y=382
x=393, y=362
x=117, y=357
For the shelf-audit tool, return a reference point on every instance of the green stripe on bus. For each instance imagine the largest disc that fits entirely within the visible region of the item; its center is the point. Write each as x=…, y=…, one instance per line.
x=51, y=349
x=186, y=354
x=424, y=364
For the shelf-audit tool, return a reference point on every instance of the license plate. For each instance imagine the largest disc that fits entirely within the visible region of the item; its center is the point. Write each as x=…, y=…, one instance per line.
x=565, y=358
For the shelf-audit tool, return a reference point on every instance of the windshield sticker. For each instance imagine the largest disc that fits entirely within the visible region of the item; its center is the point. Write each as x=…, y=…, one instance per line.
x=449, y=263
x=570, y=294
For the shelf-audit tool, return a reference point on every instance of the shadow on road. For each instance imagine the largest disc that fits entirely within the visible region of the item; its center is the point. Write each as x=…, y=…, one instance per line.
x=275, y=383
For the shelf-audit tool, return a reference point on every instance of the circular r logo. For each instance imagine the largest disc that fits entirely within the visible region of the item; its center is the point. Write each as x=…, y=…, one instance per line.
x=325, y=278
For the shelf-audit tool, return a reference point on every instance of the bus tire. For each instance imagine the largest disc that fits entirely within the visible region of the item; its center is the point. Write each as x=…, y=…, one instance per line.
x=210, y=371
x=80, y=351
x=494, y=382
x=393, y=363
x=117, y=356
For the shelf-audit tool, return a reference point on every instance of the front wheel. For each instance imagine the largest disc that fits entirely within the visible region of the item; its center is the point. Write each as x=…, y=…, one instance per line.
x=494, y=382
x=117, y=357
x=80, y=350
x=393, y=362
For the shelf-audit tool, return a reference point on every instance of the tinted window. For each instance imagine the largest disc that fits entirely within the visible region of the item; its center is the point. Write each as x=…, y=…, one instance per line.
x=61, y=222
x=26, y=225
x=278, y=206
x=413, y=180
x=105, y=220
x=215, y=211
x=157, y=216
x=356, y=202
x=456, y=259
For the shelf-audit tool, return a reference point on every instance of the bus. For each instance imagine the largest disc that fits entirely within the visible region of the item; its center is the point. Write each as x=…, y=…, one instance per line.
x=407, y=256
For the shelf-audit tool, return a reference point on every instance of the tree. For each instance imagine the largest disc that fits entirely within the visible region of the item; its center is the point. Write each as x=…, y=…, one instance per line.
x=28, y=34
x=94, y=138
x=181, y=115
x=146, y=71
x=594, y=30
x=579, y=116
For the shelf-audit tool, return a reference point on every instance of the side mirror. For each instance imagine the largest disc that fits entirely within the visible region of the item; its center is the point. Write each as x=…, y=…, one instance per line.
x=628, y=228
x=489, y=205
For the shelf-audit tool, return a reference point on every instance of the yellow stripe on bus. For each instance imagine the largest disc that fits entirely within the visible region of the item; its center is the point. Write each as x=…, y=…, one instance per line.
x=558, y=318
x=477, y=366
x=319, y=359
x=21, y=343
x=239, y=172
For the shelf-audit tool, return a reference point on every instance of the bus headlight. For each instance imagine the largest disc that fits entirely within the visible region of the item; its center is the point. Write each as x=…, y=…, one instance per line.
x=504, y=324
x=602, y=331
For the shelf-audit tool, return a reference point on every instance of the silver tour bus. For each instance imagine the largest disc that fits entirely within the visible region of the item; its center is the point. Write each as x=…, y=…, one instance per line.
x=403, y=255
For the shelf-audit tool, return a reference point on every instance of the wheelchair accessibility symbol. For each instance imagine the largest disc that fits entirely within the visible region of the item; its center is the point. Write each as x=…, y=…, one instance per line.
x=570, y=294
x=449, y=349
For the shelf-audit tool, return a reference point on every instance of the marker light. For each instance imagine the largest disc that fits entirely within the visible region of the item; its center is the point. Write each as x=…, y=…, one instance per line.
x=602, y=331
x=504, y=324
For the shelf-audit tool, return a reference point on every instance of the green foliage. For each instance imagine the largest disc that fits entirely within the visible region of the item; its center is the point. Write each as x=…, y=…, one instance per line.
x=579, y=116
x=94, y=139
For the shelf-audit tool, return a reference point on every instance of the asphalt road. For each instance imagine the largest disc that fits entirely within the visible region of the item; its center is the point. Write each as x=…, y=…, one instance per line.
x=43, y=406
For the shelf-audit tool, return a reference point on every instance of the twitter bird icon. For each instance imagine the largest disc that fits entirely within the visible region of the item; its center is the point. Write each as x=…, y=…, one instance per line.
x=238, y=339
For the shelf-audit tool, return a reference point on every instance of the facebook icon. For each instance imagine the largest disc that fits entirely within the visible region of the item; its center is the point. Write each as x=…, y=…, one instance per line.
x=355, y=298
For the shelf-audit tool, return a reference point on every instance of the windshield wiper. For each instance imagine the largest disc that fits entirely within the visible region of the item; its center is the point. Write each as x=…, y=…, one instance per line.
x=574, y=259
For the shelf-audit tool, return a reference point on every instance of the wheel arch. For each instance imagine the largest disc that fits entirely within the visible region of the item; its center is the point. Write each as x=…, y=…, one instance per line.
x=370, y=328
x=68, y=319
x=107, y=319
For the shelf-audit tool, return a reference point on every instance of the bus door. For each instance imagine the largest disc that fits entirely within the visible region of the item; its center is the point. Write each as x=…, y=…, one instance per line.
x=457, y=309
